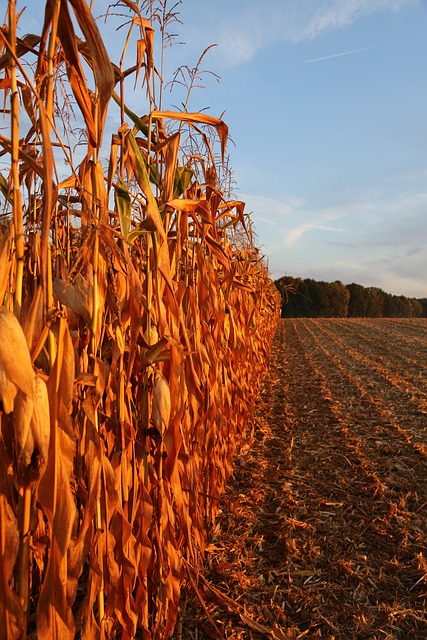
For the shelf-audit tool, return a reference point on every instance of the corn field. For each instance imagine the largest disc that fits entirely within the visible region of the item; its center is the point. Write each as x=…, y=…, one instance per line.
x=135, y=326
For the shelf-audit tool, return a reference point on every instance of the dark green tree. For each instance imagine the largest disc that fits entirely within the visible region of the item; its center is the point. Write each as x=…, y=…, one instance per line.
x=375, y=302
x=359, y=301
x=310, y=298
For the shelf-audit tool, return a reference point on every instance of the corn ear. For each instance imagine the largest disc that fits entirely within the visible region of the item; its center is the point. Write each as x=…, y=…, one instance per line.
x=161, y=408
x=38, y=434
x=16, y=370
x=22, y=414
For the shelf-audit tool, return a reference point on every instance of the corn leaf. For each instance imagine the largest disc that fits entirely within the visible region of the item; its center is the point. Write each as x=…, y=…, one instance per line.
x=11, y=612
x=98, y=59
x=201, y=118
x=123, y=207
x=54, y=617
x=141, y=175
x=5, y=189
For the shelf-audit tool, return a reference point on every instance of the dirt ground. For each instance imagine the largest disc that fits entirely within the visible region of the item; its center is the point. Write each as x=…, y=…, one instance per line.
x=322, y=533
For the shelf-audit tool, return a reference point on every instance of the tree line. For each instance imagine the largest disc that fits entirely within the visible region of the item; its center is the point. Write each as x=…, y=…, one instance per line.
x=307, y=298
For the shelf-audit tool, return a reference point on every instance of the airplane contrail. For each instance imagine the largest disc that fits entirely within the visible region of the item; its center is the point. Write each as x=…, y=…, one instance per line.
x=343, y=53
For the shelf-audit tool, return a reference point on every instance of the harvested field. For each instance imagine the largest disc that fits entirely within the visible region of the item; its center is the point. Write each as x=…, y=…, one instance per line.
x=322, y=533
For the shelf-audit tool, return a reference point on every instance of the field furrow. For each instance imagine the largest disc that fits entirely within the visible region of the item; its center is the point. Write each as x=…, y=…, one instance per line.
x=405, y=351
x=400, y=400
x=324, y=528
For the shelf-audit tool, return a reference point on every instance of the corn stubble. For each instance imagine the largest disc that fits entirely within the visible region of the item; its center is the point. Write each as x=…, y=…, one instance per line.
x=136, y=321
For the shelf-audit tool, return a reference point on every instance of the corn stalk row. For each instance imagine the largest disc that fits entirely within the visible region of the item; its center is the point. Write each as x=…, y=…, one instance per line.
x=136, y=322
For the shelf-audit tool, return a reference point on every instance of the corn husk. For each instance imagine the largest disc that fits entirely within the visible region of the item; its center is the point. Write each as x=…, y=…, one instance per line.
x=16, y=370
x=22, y=414
x=31, y=419
x=161, y=407
x=23, y=393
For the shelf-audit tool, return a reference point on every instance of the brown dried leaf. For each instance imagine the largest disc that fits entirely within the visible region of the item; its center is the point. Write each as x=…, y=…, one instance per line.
x=201, y=118
x=12, y=623
x=98, y=59
x=23, y=45
x=75, y=296
x=5, y=259
x=153, y=354
x=26, y=158
x=171, y=161
x=32, y=322
x=75, y=72
x=68, y=365
x=138, y=164
x=125, y=544
x=54, y=616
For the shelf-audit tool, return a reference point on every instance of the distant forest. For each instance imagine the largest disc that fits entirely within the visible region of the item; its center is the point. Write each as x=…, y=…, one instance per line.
x=306, y=298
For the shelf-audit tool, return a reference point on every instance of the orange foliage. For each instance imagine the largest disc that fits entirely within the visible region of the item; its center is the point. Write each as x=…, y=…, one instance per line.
x=147, y=314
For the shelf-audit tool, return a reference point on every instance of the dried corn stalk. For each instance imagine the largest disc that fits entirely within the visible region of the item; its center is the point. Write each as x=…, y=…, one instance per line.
x=148, y=315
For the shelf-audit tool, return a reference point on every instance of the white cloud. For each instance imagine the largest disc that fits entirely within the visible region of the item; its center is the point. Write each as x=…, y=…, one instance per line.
x=296, y=233
x=335, y=15
x=272, y=209
x=237, y=47
x=241, y=30
x=378, y=241
x=327, y=15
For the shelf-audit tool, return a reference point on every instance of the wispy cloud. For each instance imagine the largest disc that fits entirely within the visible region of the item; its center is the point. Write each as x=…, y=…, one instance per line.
x=273, y=210
x=295, y=234
x=343, y=53
x=377, y=239
x=243, y=29
x=291, y=216
x=335, y=14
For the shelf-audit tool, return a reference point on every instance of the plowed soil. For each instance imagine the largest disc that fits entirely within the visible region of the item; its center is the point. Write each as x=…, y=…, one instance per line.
x=322, y=533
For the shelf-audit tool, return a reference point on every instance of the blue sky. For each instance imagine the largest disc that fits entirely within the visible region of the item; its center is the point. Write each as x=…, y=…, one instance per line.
x=325, y=100
x=326, y=105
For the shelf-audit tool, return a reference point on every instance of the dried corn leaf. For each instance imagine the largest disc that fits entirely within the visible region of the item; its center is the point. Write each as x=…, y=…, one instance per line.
x=140, y=171
x=156, y=350
x=145, y=554
x=25, y=157
x=12, y=622
x=98, y=59
x=5, y=260
x=75, y=72
x=32, y=322
x=162, y=296
x=75, y=296
x=23, y=45
x=201, y=118
x=125, y=543
x=171, y=162
x=54, y=616
x=123, y=207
